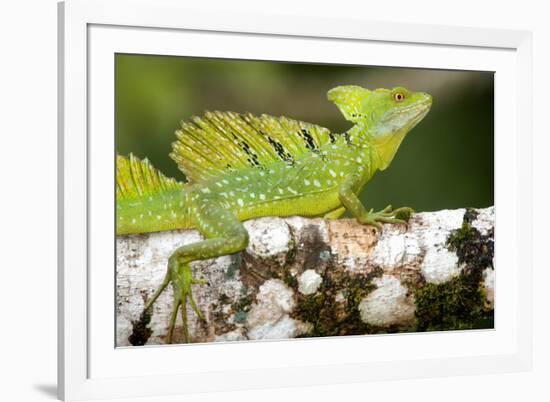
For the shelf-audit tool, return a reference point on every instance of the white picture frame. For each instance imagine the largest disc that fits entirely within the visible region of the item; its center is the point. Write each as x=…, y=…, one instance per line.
x=90, y=367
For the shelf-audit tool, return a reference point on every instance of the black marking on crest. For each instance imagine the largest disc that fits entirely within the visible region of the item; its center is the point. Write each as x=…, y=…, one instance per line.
x=252, y=156
x=308, y=139
x=332, y=138
x=278, y=147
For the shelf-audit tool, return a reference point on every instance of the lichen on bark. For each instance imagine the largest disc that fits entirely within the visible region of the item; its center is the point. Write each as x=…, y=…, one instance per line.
x=312, y=277
x=461, y=302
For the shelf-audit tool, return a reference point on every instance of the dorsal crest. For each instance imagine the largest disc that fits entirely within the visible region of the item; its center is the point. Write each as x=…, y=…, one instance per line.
x=137, y=178
x=218, y=142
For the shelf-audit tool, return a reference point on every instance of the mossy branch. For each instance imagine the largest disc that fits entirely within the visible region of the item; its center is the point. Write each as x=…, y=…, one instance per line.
x=312, y=277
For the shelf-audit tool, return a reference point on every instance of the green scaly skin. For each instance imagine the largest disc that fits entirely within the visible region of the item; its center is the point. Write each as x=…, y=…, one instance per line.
x=319, y=177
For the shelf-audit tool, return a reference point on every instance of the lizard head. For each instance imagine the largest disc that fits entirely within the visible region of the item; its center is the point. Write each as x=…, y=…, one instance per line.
x=382, y=117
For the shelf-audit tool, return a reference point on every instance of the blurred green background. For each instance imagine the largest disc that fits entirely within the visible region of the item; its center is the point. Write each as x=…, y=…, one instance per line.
x=445, y=162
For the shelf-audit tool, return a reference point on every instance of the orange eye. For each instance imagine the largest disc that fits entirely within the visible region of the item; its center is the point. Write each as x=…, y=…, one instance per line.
x=399, y=96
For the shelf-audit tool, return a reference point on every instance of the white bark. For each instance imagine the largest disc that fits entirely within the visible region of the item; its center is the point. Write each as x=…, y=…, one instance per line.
x=263, y=293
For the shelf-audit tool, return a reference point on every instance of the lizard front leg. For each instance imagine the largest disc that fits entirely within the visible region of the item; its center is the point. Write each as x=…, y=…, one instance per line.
x=224, y=234
x=352, y=203
x=335, y=213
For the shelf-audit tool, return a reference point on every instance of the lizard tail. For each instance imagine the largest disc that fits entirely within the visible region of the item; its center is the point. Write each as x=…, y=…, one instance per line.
x=147, y=200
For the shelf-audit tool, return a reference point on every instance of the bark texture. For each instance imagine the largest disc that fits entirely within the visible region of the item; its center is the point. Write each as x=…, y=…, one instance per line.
x=312, y=277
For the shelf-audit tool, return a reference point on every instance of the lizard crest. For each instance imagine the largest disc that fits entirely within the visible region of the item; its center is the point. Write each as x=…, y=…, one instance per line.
x=218, y=142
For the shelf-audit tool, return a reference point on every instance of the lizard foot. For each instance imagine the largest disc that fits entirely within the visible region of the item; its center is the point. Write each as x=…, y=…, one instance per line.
x=387, y=215
x=181, y=276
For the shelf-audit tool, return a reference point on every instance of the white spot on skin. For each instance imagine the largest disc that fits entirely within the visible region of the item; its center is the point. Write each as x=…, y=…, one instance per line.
x=309, y=282
x=262, y=196
x=388, y=304
x=292, y=190
x=316, y=183
x=240, y=202
x=205, y=190
x=133, y=220
x=332, y=172
x=307, y=182
x=252, y=195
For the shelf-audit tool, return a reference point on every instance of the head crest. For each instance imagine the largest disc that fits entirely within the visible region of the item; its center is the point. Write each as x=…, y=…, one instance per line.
x=349, y=98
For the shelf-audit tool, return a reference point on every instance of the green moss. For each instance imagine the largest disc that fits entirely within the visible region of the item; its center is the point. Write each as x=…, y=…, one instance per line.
x=223, y=298
x=459, y=303
x=236, y=260
x=140, y=330
x=289, y=279
x=242, y=306
x=330, y=317
x=240, y=317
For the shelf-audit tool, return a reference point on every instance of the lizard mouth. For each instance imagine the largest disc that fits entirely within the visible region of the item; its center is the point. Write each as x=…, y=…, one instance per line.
x=422, y=106
x=409, y=116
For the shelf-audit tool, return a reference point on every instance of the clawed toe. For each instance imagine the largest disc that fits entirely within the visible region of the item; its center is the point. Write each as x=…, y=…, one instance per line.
x=181, y=277
x=387, y=215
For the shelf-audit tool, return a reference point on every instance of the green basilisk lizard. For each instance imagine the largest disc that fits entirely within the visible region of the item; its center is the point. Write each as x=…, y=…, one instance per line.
x=241, y=166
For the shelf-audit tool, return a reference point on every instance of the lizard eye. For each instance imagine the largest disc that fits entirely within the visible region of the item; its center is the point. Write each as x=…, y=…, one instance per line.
x=399, y=96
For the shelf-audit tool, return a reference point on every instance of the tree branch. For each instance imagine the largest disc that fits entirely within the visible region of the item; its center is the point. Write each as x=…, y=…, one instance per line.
x=311, y=277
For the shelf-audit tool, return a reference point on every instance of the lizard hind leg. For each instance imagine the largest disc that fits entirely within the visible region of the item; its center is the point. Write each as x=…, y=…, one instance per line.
x=224, y=234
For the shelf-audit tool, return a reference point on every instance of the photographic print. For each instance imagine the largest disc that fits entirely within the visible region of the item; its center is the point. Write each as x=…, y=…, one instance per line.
x=264, y=200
